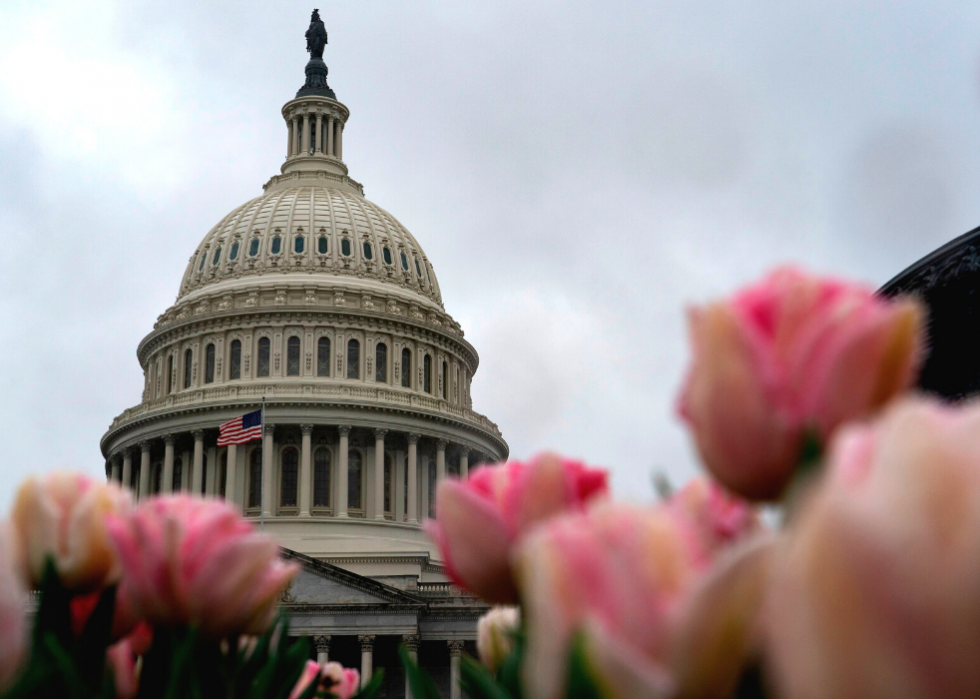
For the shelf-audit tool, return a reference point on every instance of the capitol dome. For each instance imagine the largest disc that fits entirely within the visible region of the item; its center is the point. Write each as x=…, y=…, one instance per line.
x=320, y=306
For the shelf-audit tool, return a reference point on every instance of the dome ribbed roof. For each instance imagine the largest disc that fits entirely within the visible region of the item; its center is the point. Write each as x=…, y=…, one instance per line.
x=341, y=235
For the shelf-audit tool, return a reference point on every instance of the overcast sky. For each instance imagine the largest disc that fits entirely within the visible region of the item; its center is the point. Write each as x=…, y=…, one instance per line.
x=577, y=172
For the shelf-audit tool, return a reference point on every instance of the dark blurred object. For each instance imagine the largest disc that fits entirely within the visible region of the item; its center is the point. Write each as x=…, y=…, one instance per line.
x=947, y=280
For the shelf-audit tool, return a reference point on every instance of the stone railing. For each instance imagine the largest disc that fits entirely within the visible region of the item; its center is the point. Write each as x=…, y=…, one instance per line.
x=440, y=589
x=381, y=396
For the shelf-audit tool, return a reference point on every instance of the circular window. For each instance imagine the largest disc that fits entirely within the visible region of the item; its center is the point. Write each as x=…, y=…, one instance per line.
x=233, y=255
x=345, y=247
x=217, y=256
x=321, y=245
x=253, y=247
x=386, y=254
x=276, y=245
x=298, y=244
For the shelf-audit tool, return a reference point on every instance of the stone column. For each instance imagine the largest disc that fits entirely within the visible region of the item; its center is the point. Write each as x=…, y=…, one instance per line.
x=464, y=464
x=339, y=143
x=212, y=475
x=306, y=134
x=379, y=473
x=411, y=643
x=144, y=490
x=455, y=653
x=319, y=133
x=167, y=486
x=127, y=470
x=413, y=477
x=343, y=448
x=231, y=474
x=197, y=474
x=267, y=456
x=305, y=467
x=117, y=470
x=296, y=136
x=289, y=142
x=440, y=462
x=367, y=658
x=322, y=644
x=330, y=123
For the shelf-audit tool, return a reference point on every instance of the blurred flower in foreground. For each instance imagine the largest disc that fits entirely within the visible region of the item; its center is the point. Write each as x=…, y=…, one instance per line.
x=193, y=561
x=495, y=635
x=341, y=681
x=13, y=625
x=61, y=516
x=792, y=353
x=311, y=673
x=617, y=575
x=875, y=592
x=715, y=517
x=478, y=520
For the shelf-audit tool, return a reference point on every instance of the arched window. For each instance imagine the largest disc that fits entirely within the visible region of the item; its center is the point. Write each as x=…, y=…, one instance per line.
x=253, y=247
x=276, y=245
x=289, y=477
x=386, y=253
x=298, y=244
x=427, y=374
x=292, y=356
x=188, y=365
x=368, y=252
x=255, y=478
x=345, y=247
x=432, y=489
x=262, y=366
x=406, y=368
x=170, y=375
x=235, y=360
x=233, y=255
x=445, y=381
x=222, y=474
x=389, y=474
x=353, y=359
x=381, y=362
x=209, y=363
x=322, y=245
x=321, y=477
x=354, y=479
x=178, y=474
x=323, y=356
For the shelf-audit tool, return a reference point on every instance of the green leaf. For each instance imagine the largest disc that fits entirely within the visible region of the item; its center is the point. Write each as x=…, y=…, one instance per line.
x=580, y=682
x=509, y=673
x=54, y=610
x=88, y=651
x=371, y=689
x=418, y=679
x=477, y=681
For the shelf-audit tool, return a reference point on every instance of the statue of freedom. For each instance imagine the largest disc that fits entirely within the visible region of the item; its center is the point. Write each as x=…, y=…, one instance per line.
x=316, y=36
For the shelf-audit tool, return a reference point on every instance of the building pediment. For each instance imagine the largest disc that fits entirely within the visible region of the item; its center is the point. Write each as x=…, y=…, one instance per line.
x=323, y=585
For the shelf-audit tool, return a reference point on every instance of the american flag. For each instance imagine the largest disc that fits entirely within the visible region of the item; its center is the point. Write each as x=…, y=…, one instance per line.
x=241, y=430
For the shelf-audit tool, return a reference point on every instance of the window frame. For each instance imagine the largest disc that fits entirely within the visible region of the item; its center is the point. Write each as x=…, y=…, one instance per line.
x=235, y=362
x=209, y=362
x=356, y=343
x=290, y=363
x=292, y=451
x=329, y=480
x=381, y=362
x=406, y=370
x=188, y=368
x=323, y=341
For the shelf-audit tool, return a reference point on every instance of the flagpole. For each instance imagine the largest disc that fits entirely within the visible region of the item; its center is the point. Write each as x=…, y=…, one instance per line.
x=264, y=466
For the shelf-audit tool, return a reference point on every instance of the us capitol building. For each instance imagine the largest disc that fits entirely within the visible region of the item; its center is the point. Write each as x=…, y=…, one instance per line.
x=319, y=302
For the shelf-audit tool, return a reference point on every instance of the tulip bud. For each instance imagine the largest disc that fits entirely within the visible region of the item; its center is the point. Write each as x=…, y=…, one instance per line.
x=790, y=356
x=61, y=517
x=496, y=634
x=341, y=682
x=479, y=520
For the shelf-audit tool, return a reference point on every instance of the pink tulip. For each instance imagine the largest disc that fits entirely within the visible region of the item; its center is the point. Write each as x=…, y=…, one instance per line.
x=121, y=659
x=496, y=635
x=715, y=518
x=62, y=516
x=619, y=576
x=479, y=520
x=191, y=561
x=311, y=672
x=875, y=591
x=789, y=354
x=341, y=682
x=13, y=600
